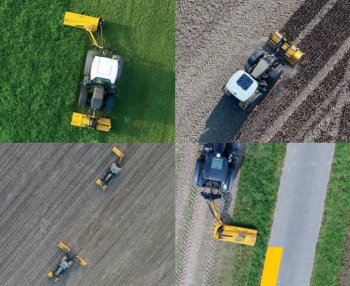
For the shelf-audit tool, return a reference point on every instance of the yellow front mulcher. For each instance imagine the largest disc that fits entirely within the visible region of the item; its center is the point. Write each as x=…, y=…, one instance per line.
x=230, y=233
x=291, y=52
x=87, y=23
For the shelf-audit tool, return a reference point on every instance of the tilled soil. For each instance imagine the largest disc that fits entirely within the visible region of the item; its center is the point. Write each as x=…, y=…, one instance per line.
x=196, y=249
x=48, y=194
x=214, y=41
x=319, y=45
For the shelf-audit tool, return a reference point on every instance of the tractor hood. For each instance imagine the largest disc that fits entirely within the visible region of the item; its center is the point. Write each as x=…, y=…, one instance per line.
x=215, y=169
x=104, y=68
x=241, y=85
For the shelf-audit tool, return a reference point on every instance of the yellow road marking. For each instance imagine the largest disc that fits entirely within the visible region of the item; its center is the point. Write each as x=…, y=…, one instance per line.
x=272, y=265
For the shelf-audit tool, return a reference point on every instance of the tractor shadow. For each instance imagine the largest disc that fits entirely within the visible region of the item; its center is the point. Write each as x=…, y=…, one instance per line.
x=224, y=122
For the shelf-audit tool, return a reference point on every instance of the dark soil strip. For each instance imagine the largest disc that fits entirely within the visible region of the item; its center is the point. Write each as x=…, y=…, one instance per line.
x=313, y=102
x=301, y=18
x=319, y=46
x=344, y=130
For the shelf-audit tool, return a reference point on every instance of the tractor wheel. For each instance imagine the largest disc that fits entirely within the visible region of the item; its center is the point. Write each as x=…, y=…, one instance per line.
x=255, y=57
x=196, y=176
x=120, y=67
x=229, y=181
x=110, y=103
x=88, y=62
x=83, y=96
x=274, y=75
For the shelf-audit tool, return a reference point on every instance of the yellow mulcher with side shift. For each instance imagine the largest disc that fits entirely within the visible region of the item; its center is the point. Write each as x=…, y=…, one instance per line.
x=65, y=263
x=103, y=69
x=229, y=233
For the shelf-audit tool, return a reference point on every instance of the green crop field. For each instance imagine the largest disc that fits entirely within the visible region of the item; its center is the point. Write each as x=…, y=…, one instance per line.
x=331, y=247
x=42, y=63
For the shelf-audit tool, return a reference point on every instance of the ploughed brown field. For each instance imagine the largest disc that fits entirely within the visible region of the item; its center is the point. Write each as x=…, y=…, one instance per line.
x=125, y=234
x=309, y=103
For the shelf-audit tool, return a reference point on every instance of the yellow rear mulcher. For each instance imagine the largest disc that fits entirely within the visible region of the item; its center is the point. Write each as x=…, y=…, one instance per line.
x=231, y=233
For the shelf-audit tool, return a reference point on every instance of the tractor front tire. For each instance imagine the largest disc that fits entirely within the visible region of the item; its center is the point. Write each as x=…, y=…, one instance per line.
x=196, y=180
x=254, y=58
x=83, y=96
x=88, y=62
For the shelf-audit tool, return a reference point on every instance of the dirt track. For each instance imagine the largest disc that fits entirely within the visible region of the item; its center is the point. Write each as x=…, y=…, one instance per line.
x=48, y=194
x=308, y=102
x=196, y=250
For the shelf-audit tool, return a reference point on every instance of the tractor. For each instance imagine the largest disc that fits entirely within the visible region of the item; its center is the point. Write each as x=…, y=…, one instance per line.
x=217, y=166
x=263, y=69
x=102, y=71
x=66, y=262
x=113, y=171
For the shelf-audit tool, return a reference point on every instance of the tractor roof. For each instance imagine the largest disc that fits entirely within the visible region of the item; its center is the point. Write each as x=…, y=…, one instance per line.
x=104, y=68
x=241, y=85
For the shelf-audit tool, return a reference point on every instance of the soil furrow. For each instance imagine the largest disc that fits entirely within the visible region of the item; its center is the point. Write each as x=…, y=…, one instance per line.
x=344, y=130
x=301, y=18
x=299, y=118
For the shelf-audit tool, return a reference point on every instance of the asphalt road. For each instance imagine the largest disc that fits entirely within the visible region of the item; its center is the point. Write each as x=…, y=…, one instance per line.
x=299, y=210
x=48, y=194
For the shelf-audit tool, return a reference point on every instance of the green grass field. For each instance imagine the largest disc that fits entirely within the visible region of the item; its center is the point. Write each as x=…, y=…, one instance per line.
x=335, y=222
x=254, y=207
x=42, y=63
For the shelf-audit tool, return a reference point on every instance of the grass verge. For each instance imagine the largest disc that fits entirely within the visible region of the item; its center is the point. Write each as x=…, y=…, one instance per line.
x=335, y=223
x=254, y=207
x=42, y=63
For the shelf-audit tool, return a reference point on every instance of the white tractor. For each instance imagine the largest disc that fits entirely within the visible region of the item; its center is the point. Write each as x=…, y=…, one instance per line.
x=246, y=87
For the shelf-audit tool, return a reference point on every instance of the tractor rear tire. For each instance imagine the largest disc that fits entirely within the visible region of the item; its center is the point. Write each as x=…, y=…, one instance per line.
x=255, y=57
x=120, y=67
x=83, y=96
x=110, y=103
x=274, y=75
x=229, y=181
x=196, y=182
x=88, y=62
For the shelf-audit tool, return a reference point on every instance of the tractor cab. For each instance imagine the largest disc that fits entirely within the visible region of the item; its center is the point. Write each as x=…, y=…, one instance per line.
x=242, y=87
x=215, y=171
x=104, y=70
